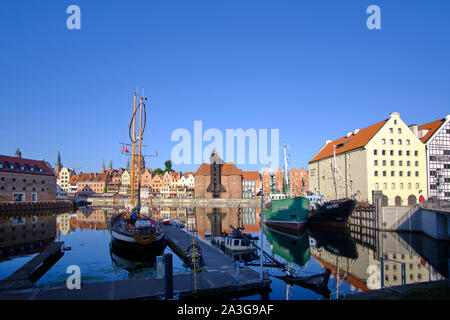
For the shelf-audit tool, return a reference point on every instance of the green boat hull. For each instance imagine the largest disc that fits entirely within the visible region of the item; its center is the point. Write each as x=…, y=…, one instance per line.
x=287, y=214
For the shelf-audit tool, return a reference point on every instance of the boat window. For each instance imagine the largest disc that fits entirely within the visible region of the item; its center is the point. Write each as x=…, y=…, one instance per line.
x=236, y=242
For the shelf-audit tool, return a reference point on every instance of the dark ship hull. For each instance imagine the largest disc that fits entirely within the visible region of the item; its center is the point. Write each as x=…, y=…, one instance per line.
x=333, y=214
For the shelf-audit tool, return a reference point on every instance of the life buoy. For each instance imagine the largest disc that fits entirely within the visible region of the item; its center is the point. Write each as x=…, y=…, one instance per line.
x=192, y=246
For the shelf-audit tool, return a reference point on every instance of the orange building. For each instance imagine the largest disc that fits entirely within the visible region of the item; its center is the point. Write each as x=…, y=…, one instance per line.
x=298, y=181
x=89, y=183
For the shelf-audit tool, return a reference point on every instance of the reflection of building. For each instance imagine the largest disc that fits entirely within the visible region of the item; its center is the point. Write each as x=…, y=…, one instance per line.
x=436, y=137
x=63, y=223
x=385, y=157
x=88, y=218
x=26, y=180
x=218, y=220
x=364, y=273
x=26, y=234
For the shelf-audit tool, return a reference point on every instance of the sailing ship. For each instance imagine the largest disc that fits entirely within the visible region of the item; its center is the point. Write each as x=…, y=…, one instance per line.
x=335, y=213
x=131, y=229
x=286, y=212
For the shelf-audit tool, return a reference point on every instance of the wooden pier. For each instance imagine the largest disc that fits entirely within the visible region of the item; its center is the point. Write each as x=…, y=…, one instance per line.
x=34, y=269
x=218, y=277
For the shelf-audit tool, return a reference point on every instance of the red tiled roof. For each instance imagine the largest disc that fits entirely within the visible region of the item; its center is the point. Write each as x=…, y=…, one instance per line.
x=74, y=178
x=355, y=141
x=29, y=166
x=227, y=169
x=93, y=177
x=250, y=175
x=432, y=127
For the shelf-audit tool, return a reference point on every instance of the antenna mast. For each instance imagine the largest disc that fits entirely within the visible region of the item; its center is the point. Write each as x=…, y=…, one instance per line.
x=286, y=170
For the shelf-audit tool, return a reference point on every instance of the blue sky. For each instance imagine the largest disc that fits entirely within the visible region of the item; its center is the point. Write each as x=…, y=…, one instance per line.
x=311, y=69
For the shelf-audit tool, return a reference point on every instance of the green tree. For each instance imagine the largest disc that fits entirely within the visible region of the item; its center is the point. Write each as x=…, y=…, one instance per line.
x=168, y=165
x=158, y=171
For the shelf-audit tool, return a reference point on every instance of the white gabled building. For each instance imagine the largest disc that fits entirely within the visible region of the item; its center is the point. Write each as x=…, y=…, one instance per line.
x=436, y=137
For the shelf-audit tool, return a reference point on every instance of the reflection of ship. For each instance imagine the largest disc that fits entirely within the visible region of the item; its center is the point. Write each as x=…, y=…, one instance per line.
x=293, y=248
x=317, y=283
x=137, y=263
x=337, y=243
x=132, y=227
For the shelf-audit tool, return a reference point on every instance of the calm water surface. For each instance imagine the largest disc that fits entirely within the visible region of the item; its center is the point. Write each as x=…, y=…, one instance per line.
x=329, y=264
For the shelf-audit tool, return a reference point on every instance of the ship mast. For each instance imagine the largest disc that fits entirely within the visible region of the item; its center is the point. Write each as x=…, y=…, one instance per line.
x=286, y=171
x=133, y=150
x=334, y=170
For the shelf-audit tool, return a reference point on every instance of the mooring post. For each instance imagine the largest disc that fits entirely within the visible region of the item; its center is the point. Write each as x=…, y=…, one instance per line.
x=379, y=211
x=382, y=272
x=159, y=267
x=168, y=276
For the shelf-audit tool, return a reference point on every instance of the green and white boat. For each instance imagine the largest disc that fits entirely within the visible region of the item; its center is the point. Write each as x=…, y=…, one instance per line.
x=284, y=212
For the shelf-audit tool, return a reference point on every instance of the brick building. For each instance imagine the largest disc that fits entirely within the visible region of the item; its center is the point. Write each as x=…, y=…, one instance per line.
x=26, y=180
x=89, y=183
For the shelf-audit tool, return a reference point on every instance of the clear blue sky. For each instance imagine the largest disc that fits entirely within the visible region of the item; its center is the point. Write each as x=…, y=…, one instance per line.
x=311, y=69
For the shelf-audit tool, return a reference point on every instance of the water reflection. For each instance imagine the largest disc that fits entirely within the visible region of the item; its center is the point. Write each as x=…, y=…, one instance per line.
x=352, y=259
x=25, y=234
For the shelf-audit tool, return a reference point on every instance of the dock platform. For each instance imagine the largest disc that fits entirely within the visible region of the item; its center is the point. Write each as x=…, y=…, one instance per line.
x=34, y=269
x=218, y=277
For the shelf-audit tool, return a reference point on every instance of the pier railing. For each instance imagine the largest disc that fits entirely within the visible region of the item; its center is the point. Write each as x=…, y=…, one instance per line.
x=365, y=215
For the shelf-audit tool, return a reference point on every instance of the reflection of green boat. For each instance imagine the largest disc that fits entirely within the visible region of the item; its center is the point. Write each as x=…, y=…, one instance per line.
x=288, y=213
x=293, y=248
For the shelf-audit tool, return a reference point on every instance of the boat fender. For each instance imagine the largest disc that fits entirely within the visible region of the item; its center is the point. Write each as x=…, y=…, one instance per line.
x=192, y=246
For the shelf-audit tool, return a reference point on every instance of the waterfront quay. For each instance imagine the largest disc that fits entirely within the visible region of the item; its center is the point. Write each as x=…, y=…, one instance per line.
x=219, y=275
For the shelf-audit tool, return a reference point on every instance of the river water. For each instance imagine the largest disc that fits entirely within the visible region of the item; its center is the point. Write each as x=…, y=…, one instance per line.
x=327, y=264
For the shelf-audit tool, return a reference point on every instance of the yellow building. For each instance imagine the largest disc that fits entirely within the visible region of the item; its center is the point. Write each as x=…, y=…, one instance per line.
x=385, y=157
x=64, y=178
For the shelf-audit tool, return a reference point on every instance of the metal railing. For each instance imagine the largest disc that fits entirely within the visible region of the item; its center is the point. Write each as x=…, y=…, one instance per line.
x=403, y=275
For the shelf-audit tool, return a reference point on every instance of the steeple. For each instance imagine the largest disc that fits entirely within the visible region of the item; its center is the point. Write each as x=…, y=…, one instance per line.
x=58, y=165
x=110, y=166
x=18, y=153
x=103, y=165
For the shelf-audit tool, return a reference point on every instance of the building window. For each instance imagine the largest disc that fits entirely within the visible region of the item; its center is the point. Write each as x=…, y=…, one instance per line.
x=407, y=142
x=376, y=173
x=416, y=153
x=401, y=186
x=392, y=163
x=408, y=173
x=391, y=152
x=375, y=163
x=11, y=167
x=395, y=121
x=417, y=173
x=409, y=186
x=376, y=186
x=34, y=197
x=383, y=152
x=407, y=152
x=383, y=141
x=399, y=130
x=408, y=163
x=400, y=173
x=416, y=163
x=399, y=152
x=384, y=163
x=391, y=130
x=384, y=173
x=400, y=163
x=18, y=197
x=417, y=186
x=446, y=152
x=384, y=186
x=391, y=141
x=392, y=173
x=400, y=141
x=432, y=158
x=393, y=186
